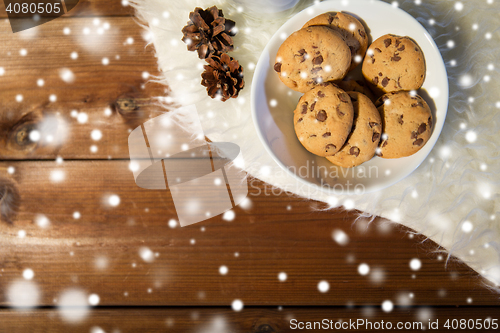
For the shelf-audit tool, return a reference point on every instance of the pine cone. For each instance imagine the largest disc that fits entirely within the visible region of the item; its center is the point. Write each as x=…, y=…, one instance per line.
x=223, y=76
x=208, y=32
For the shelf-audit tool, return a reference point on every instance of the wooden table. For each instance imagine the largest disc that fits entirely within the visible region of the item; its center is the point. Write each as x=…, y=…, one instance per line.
x=175, y=285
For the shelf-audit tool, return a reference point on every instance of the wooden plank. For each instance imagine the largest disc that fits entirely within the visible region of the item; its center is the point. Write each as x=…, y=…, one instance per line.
x=118, y=87
x=91, y=8
x=255, y=320
x=100, y=251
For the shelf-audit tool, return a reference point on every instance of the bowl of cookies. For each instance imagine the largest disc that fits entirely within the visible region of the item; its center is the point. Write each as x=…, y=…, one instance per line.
x=346, y=101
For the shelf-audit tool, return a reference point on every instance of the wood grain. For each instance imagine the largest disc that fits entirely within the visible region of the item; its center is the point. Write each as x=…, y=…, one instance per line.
x=223, y=320
x=119, y=87
x=100, y=251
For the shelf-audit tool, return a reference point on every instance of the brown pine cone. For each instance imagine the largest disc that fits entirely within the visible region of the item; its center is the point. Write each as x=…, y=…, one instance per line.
x=223, y=76
x=208, y=32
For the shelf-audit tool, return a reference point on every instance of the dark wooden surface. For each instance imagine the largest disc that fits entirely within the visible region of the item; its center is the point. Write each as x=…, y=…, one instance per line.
x=251, y=320
x=99, y=252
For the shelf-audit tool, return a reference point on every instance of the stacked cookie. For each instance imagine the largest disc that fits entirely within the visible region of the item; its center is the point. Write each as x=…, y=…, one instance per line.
x=343, y=120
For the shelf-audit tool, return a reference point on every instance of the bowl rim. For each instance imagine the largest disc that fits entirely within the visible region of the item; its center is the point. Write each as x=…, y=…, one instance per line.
x=438, y=127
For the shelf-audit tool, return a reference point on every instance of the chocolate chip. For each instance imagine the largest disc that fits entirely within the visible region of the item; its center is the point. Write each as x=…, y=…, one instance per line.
x=422, y=128
x=300, y=120
x=321, y=116
x=361, y=33
x=318, y=60
x=387, y=42
x=378, y=50
x=380, y=74
x=375, y=80
x=343, y=97
x=418, y=142
x=340, y=113
x=384, y=144
x=312, y=106
x=321, y=94
x=312, y=135
x=327, y=134
x=303, y=59
x=402, y=48
x=277, y=67
x=385, y=81
x=414, y=135
x=373, y=124
x=304, y=108
x=316, y=70
x=399, y=83
x=354, y=151
x=302, y=52
x=330, y=19
x=330, y=146
x=398, y=42
x=395, y=57
x=375, y=136
x=373, y=60
x=414, y=105
x=416, y=49
x=430, y=122
x=314, y=47
x=400, y=120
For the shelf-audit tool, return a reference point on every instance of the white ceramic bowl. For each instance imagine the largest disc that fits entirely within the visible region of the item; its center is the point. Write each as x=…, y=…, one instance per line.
x=273, y=103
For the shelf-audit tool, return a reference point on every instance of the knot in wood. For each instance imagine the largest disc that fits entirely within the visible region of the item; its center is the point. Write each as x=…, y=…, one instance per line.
x=126, y=106
x=265, y=328
x=20, y=137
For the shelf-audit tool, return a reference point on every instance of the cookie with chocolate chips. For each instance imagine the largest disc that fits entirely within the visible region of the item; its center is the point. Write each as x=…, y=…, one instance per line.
x=350, y=28
x=407, y=123
x=394, y=63
x=312, y=56
x=323, y=119
x=365, y=134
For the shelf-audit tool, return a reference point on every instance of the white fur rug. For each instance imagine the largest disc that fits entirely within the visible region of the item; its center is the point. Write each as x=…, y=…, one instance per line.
x=453, y=197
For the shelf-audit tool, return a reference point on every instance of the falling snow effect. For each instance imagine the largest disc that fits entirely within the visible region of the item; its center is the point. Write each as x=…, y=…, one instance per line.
x=363, y=269
x=66, y=75
x=146, y=254
x=387, y=306
x=223, y=270
x=42, y=221
x=229, y=216
x=340, y=237
x=237, y=305
x=73, y=306
x=23, y=294
x=323, y=286
x=415, y=264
